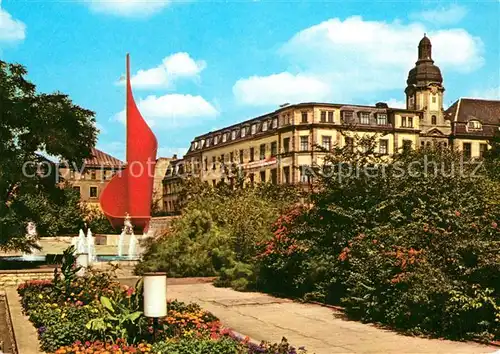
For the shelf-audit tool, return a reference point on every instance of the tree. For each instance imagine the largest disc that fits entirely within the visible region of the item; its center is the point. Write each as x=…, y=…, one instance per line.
x=411, y=241
x=492, y=156
x=32, y=122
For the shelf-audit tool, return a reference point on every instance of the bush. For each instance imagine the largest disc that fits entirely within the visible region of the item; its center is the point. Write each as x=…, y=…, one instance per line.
x=65, y=326
x=418, y=252
x=218, y=232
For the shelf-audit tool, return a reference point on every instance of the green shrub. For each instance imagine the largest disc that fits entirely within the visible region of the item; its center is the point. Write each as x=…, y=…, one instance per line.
x=220, y=229
x=64, y=327
x=239, y=276
x=116, y=320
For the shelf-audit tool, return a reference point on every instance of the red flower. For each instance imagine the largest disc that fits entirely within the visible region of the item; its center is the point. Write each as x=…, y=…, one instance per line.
x=343, y=255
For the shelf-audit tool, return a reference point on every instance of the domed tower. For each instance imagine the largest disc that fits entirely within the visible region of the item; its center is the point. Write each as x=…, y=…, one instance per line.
x=424, y=90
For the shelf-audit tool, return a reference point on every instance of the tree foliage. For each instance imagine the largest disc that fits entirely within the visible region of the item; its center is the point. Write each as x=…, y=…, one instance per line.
x=31, y=122
x=219, y=229
x=412, y=242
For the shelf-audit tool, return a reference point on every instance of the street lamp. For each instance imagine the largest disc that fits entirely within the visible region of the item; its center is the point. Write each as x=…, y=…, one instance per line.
x=155, y=297
x=82, y=261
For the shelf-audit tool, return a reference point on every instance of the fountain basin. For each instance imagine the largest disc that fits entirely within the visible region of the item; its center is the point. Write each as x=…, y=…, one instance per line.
x=111, y=258
x=43, y=258
x=26, y=258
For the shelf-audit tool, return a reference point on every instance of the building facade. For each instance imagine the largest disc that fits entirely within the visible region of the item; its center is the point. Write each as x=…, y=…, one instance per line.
x=161, y=166
x=172, y=185
x=91, y=177
x=474, y=123
x=274, y=146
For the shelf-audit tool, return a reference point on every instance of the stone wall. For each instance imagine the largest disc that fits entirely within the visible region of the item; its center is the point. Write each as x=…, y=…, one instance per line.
x=10, y=278
x=160, y=224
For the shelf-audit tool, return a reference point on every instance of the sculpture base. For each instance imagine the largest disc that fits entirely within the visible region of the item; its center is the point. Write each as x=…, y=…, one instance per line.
x=140, y=224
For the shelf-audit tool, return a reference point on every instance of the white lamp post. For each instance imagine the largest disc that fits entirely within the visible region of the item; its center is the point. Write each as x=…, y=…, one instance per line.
x=155, y=297
x=82, y=261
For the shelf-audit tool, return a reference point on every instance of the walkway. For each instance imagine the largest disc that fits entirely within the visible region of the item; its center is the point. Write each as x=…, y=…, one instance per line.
x=321, y=330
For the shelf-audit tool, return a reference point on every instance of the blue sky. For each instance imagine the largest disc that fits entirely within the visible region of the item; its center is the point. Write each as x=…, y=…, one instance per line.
x=200, y=65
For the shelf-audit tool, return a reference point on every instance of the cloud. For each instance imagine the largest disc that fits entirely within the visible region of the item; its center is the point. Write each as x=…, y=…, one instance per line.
x=441, y=16
x=11, y=30
x=128, y=8
x=172, y=110
x=172, y=68
x=394, y=103
x=353, y=59
x=489, y=94
x=170, y=151
x=279, y=88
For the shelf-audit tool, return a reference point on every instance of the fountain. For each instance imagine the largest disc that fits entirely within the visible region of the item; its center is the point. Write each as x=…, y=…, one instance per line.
x=32, y=235
x=121, y=239
x=128, y=230
x=91, y=247
x=132, y=246
x=85, y=245
x=80, y=243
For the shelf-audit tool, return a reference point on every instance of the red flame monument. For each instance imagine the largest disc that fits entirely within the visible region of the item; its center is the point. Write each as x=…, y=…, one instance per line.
x=130, y=191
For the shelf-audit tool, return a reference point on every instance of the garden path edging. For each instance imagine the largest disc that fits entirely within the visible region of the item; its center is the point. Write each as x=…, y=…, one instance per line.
x=25, y=334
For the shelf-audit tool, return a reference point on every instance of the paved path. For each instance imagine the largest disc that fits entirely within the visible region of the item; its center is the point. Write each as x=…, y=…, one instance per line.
x=321, y=330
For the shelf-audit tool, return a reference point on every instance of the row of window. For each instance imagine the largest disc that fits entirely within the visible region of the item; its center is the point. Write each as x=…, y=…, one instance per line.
x=304, y=146
x=171, y=188
x=92, y=191
x=407, y=122
x=262, y=177
x=263, y=126
x=326, y=143
x=411, y=100
x=170, y=205
x=105, y=175
x=364, y=117
x=237, y=133
x=474, y=125
x=467, y=150
x=325, y=117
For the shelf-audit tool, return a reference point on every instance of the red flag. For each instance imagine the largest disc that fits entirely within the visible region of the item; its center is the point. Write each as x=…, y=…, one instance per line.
x=131, y=191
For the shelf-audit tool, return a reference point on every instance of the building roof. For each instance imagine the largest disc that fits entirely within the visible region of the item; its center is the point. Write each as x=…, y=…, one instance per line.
x=101, y=159
x=487, y=112
x=425, y=71
x=379, y=105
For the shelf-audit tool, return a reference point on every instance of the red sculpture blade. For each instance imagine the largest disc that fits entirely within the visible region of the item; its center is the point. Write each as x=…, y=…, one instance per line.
x=131, y=190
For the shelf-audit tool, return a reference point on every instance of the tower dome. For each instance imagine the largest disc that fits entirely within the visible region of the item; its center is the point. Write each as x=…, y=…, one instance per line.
x=424, y=71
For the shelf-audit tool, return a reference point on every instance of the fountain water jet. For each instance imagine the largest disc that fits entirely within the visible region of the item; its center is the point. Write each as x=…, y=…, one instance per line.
x=80, y=243
x=128, y=230
x=91, y=247
x=121, y=239
x=32, y=235
x=132, y=246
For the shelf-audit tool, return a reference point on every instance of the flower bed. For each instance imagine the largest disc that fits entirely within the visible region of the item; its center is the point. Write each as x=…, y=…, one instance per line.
x=95, y=314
